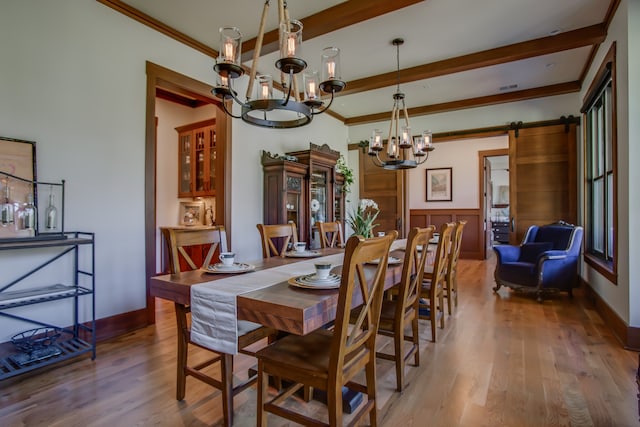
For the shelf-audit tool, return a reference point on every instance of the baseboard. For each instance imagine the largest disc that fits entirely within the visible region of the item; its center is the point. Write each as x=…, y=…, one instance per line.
x=113, y=326
x=629, y=336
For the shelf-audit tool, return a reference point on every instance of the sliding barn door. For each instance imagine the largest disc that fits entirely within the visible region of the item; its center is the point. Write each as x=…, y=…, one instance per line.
x=386, y=188
x=543, y=177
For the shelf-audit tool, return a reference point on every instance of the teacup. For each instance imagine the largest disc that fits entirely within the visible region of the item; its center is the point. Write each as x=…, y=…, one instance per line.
x=381, y=234
x=300, y=246
x=322, y=270
x=227, y=258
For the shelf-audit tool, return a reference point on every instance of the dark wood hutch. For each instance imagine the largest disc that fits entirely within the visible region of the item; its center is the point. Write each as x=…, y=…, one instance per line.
x=304, y=187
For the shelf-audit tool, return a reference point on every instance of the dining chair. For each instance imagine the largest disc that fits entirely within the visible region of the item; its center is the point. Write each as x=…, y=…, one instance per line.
x=451, y=290
x=275, y=238
x=331, y=234
x=178, y=240
x=431, y=304
x=329, y=359
x=451, y=286
x=402, y=310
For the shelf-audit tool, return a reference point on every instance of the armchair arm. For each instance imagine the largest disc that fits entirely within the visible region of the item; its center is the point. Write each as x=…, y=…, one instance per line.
x=507, y=253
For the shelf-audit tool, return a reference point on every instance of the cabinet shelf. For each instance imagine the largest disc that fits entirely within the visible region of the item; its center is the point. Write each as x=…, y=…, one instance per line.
x=38, y=295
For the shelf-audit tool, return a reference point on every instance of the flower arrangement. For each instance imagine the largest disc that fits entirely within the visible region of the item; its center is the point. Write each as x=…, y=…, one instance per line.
x=361, y=220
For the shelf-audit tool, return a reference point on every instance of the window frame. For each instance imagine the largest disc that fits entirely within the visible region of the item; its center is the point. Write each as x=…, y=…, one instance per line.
x=598, y=96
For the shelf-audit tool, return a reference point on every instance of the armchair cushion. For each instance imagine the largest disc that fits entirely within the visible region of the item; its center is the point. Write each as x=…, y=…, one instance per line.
x=529, y=252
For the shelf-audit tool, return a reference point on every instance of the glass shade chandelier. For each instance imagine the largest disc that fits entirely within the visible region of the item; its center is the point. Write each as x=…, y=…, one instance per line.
x=404, y=151
x=262, y=108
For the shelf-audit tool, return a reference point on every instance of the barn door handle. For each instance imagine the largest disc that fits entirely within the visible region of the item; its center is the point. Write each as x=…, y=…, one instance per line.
x=513, y=224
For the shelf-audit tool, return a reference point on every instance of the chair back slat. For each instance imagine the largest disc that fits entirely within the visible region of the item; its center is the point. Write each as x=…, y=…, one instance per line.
x=275, y=238
x=180, y=239
x=331, y=234
x=366, y=282
x=454, y=253
x=442, y=254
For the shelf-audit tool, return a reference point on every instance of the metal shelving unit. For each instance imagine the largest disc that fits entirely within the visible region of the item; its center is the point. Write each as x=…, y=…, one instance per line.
x=71, y=340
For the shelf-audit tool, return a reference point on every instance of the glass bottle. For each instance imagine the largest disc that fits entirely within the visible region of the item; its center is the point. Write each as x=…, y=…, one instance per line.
x=51, y=213
x=30, y=214
x=7, y=210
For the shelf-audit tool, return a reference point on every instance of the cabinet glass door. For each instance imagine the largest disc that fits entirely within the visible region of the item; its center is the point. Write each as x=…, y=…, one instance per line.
x=185, y=163
x=211, y=185
x=318, y=203
x=200, y=160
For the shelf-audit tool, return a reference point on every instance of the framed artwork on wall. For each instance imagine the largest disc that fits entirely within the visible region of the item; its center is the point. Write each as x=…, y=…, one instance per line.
x=191, y=213
x=439, y=185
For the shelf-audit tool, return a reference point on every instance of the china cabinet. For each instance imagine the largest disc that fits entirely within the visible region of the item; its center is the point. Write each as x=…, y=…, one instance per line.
x=198, y=159
x=284, y=191
x=303, y=186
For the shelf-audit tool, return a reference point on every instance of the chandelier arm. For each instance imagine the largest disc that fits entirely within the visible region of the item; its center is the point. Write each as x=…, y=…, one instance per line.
x=234, y=95
x=325, y=108
x=224, y=107
x=257, y=49
x=286, y=101
x=406, y=115
x=380, y=162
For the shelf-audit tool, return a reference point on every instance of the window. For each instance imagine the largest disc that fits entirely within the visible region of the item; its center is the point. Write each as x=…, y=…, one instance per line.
x=600, y=169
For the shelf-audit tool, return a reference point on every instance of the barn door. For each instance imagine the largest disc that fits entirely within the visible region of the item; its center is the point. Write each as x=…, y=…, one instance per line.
x=542, y=176
x=387, y=189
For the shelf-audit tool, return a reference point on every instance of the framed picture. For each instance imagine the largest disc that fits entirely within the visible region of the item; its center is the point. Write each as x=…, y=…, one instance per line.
x=191, y=213
x=439, y=187
x=17, y=175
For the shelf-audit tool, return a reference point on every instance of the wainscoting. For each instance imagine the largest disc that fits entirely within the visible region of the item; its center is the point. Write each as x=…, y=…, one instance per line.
x=472, y=238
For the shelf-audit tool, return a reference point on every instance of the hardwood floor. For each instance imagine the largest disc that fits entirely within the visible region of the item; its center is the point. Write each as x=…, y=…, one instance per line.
x=502, y=360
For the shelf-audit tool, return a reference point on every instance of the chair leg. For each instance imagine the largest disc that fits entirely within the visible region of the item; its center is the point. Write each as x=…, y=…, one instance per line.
x=441, y=303
x=183, y=343
x=263, y=385
x=432, y=319
x=226, y=374
x=449, y=296
x=334, y=404
x=398, y=339
x=416, y=340
x=370, y=371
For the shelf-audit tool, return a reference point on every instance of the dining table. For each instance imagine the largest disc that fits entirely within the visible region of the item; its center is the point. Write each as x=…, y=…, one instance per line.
x=275, y=303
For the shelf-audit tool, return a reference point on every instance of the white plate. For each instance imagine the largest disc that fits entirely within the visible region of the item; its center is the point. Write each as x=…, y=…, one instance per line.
x=305, y=254
x=309, y=281
x=237, y=267
x=392, y=261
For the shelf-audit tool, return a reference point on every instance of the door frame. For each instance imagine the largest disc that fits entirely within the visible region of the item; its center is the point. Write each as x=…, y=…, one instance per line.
x=482, y=159
x=158, y=76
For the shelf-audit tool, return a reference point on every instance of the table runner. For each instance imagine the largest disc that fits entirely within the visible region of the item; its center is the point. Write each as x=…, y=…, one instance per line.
x=214, y=321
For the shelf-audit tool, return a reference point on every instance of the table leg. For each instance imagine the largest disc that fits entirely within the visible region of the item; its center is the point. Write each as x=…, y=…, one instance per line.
x=183, y=342
x=226, y=372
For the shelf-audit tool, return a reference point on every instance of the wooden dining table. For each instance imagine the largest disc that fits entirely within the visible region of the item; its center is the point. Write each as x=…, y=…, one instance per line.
x=279, y=306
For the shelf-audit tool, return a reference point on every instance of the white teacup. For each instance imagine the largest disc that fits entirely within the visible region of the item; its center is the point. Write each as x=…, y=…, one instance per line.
x=381, y=234
x=300, y=246
x=227, y=258
x=322, y=270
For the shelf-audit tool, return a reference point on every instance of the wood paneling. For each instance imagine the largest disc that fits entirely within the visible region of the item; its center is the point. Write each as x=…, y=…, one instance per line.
x=472, y=235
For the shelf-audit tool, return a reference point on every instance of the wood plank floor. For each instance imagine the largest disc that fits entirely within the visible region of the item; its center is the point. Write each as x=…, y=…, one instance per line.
x=502, y=360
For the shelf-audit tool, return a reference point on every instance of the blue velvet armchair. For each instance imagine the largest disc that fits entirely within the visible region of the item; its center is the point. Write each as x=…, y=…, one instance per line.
x=547, y=259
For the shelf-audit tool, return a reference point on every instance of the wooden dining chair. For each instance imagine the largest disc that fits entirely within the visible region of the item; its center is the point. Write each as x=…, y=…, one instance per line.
x=451, y=289
x=331, y=234
x=402, y=310
x=431, y=304
x=329, y=359
x=275, y=238
x=178, y=241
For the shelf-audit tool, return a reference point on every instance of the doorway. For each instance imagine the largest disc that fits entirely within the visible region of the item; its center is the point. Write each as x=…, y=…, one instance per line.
x=494, y=182
x=174, y=84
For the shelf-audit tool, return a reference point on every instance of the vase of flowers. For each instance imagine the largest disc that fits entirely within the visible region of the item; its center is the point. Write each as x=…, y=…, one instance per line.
x=361, y=219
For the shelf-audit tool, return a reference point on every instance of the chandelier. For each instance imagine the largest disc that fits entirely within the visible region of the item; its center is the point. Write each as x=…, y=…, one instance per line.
x=262, y=108
x=403, y=150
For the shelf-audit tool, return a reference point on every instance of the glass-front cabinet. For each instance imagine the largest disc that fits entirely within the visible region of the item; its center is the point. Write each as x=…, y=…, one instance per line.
x=303, y=187
x=197, y=151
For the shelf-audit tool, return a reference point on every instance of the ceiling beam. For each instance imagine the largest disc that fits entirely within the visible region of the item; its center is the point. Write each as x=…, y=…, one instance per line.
x=543, y=46
x=483, y=101
x=339, y=16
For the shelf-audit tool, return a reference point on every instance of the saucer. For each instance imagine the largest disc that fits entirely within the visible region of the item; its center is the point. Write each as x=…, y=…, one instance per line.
x=392, y=261
x=305, y=254
x=309, y=281
x=237, y=267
